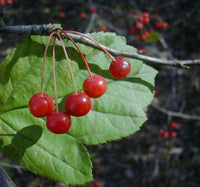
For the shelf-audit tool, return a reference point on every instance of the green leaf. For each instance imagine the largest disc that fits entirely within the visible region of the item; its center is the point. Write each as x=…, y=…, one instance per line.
x=154, y=37
x=26, y=140
x=118, y=113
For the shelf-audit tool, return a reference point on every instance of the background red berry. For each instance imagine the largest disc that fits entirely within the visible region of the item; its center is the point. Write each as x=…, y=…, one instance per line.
x=146, y=20
x=161, y=132
x=62, y=15
x=93, y=10
x=165, y=134
x=164, y=25
x=145, y=15
x=158, y=25
x=103, y=28
x=132, y=30
x=82, y=15
x=139, y=25
x=173, y=134
x=174, y=125
x=140, y=19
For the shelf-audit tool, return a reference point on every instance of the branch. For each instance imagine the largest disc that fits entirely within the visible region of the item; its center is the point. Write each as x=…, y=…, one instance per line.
x=176, y=114
x=47, y=29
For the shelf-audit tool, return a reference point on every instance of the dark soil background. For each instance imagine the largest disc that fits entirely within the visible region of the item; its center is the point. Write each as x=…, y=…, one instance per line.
x=145, y=159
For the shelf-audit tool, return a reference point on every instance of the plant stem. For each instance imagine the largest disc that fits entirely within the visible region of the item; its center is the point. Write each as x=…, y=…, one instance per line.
x=100, y=46
x=68, y=61
x=44, y=61
x=85, y=61
x=54, y=74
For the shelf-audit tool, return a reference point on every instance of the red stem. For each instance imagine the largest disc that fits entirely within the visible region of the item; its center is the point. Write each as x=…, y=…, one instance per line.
x=84, y=35
x=85, y=61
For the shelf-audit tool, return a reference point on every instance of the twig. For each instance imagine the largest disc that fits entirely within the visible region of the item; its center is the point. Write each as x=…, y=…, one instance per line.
x=11, y=166
x=176, y=114
x=28, y=29
x=91, y=23
x=47, y=29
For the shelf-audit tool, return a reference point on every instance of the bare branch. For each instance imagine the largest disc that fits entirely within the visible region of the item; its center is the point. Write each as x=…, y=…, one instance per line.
x=176, y=114
x=47, y=29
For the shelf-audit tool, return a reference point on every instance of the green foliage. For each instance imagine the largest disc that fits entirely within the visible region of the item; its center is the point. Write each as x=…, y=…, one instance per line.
x=118, y=113
x=154, y=37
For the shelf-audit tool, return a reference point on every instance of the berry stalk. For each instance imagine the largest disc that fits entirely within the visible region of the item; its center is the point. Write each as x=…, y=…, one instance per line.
x=68, y=62
x=54, y=74
x=84, y=35
x=86, y=64
x=44, y=62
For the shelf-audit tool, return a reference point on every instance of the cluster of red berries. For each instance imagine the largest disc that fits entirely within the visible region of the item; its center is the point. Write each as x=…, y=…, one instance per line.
x=83, y=14
x=140, y=20
x=6, y=2
x=169, y=131
x=78, y=103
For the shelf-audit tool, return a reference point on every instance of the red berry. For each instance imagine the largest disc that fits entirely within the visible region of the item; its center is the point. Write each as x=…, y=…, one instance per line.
x=165, y=135
x=161, y=131
x=164, y=25
x=95, y=184
x=145, y=15
x=158, y=25
x=141, y=50
x=93, y=10
x=156, y=93
x=2, y=2
x=103, y=28
x=174, y=125
x=41, y=106
x=9, y=2
x=140, y=19
x=132, y=30
x=78, y=104
x=146, y=20
x=95, y=87
x=62, y=15
x=58, y=123
x=173, y=134
x=139, y=25
x=143, y=37
x=82, y=15
x=120, y=68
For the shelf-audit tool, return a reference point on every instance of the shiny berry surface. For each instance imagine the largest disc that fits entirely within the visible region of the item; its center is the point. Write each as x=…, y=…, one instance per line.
x=41, y=106
x=173, y=134
x=78, y=104
x=93, y=10
x=164, y=25
x=158, y=25
x=58, y=123
x=174, y=125
x=120, y=68
x=139, y=25
x=95, y=87
x=165, y=134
